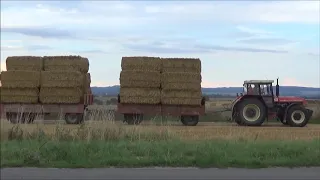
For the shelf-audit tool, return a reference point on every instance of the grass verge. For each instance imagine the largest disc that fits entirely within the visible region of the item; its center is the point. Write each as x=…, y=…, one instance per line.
x=173, y=153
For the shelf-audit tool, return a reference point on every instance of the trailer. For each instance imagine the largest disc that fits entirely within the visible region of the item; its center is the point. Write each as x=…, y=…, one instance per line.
x=134, y=113
x=26, y=113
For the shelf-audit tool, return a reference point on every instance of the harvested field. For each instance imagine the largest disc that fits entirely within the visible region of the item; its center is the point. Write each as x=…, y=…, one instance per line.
x=61, y=79
x=139, y=84
x=24, y=63
x=20, y=79
x=181, y=94
x=60, y=99
x=139, y=92
x=140, y=76
x=193, y=64
x=181, y=86
x=66, y=63
x=140, y=100
x=181, y=101
x=141, y=63
x=181, y=77
x=19, y=95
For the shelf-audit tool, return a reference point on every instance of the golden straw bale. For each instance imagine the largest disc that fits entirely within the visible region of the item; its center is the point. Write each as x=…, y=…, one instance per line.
x=140, y=76
x=87, y=83
x=140, y=100
x=24, y=63
x=139, y=92
x=181, y=101
x=181, y=63
x=66, y=63
x=181, y=86
x=141, y=63
x=181, y=77
x=60, y=91
x=61, y=79
x=181, y=94
x=20, y=79
x=19, y=95
x=180, y=69
x=59, y=99
x=139, y=84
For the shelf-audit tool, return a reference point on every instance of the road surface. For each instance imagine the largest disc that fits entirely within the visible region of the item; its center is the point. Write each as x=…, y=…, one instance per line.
x=159, y=173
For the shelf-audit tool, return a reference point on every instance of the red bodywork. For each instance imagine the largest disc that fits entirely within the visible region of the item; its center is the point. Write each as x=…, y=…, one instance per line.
x=163, y=110
x=46, y=108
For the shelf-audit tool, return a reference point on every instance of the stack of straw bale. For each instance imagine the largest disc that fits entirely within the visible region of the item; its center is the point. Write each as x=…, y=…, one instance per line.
x=140, y=80
x=20, y=83
x=65, y=79
x=181, y=81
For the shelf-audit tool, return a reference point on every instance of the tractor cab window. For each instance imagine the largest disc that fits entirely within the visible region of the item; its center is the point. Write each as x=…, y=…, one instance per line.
x=265, y=89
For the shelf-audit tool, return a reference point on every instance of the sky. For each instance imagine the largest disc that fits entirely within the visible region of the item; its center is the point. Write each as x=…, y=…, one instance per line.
x=235, y=40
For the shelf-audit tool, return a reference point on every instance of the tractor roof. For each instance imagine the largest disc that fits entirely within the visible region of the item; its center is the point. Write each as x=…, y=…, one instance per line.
x=258, y=81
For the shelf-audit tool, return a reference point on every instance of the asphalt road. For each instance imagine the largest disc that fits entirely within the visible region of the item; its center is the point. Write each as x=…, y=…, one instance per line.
x=159, y=173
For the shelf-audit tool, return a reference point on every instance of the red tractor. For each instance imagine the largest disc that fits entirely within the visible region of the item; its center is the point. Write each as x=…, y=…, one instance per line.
x=258, y=103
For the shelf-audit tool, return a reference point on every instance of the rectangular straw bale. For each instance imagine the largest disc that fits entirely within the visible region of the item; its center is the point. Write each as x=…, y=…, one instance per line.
x=181, y=86
x=66, y=63
x=140, y=100
x=181, y=63
x=181, y=77
x=139, y=92
x=140, y=76
x=180, y=94
x=141, y=63
x=181, y=101
x=24, y=63
x=139, y=84
x=180, y=69
x=20, y=79
x=19, y=95
x=60, y=99
x=87, y=83
x=61, y=79
x=60, y=91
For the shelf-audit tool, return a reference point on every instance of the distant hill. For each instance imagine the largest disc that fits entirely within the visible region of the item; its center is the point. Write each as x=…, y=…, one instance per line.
x=226, y=91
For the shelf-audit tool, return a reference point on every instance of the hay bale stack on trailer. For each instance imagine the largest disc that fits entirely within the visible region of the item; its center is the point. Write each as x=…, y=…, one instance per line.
x=140, y=80
x=44, y=85
x=156, y=86
x=64, y=79
x=181, y=81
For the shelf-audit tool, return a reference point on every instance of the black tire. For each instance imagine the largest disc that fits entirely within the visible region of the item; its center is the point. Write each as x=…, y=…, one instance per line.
x=29, y=117
x=296, y=112
x=73, y=118
x=13, y=118
x=257, y=109
x=133, y=119
x=190, y=120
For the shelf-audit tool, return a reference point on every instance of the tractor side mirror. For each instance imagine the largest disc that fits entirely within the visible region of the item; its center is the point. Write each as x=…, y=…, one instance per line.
x=277, y=88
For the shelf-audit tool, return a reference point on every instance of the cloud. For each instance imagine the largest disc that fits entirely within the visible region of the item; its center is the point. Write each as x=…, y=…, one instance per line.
x=240, y=49
x=43, y=32
x=267, y=41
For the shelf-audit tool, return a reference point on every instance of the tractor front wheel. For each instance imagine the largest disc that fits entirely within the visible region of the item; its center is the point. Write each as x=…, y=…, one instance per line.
x=252, y=112
x=296, y=116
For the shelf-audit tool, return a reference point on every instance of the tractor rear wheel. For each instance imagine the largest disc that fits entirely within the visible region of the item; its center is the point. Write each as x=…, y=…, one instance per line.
x=252, y=112
x=296, y=116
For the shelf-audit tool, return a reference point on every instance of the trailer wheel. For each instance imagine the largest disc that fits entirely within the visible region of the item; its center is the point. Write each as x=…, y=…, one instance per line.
x=72, y=118
x=133, y=119
x=297, y=117
x=252, y=112
x=28, y=117
x=190, y=120
x=13, y=117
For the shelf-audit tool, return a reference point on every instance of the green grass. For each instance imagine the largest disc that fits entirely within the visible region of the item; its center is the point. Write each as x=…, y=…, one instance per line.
x=174, y=153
